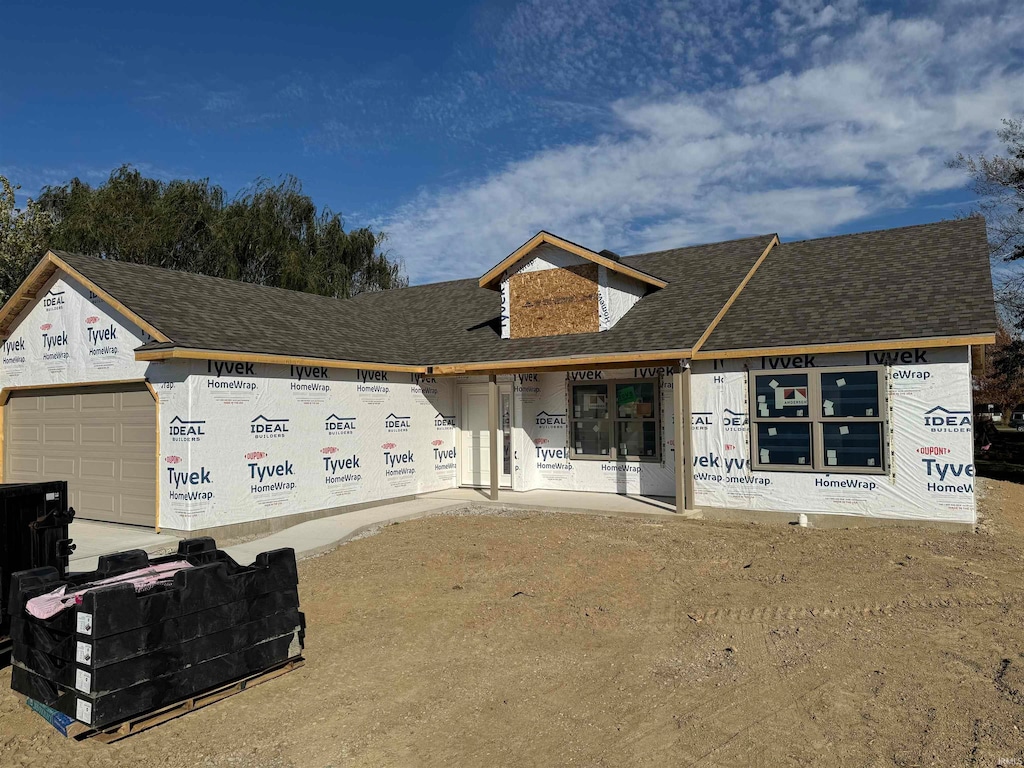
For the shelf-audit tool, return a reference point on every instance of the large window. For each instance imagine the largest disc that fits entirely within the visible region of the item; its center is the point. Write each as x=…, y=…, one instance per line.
x=615, y=420
x=821, y=420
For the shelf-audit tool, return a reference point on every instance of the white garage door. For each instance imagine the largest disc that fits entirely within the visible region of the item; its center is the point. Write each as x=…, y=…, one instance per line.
x=102, y=440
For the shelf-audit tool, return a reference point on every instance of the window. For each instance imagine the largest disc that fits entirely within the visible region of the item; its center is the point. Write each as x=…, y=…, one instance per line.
x=821, y=420
x=617, y=420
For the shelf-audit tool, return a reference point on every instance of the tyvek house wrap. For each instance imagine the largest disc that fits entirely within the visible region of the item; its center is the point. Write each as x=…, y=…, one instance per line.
x=250, y=441
x=244, y=441
x=930, y=474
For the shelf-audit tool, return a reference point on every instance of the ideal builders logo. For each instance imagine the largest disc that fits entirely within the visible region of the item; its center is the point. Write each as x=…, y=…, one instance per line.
x=547, y=420
x=340, y=425
x=262, y=426
x=53, y=301
x=185, y=431
x=940, y=419
x=444, y=422
x=393, y=423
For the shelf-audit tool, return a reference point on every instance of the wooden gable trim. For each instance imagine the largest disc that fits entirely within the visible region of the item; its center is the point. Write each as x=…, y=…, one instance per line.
x=37, y=278
x=854, y=346
x=569, y=363
x=493, y=276
x=735, y=295
x=180, y=353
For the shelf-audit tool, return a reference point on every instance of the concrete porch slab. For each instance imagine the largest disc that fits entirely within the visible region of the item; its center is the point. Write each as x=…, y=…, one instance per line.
x=569, y=501
x=93, y=539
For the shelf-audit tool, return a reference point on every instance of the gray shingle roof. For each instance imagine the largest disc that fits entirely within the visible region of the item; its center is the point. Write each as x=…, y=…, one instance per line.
x=914, y=282
x=908, y=283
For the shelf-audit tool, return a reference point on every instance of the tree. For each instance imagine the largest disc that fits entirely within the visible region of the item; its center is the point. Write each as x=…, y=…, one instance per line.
x=1001, y=382
x=999, y=183
x=24, y=234
x=270, y=234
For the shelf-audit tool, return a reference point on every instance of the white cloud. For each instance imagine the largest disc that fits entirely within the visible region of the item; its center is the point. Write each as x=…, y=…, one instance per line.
x=865, y=127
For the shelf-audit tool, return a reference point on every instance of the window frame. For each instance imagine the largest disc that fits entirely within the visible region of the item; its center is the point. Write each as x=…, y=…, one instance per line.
x=613, y=419
x=817, y=421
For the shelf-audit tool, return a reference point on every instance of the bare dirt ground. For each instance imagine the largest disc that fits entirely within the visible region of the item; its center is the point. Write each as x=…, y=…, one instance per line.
x=539, y=639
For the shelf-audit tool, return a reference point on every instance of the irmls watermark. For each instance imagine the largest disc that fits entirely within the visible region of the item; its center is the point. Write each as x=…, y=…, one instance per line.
x=1010, y=761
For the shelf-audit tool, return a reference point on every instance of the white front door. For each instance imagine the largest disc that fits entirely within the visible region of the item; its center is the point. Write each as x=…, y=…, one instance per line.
x=475, y=436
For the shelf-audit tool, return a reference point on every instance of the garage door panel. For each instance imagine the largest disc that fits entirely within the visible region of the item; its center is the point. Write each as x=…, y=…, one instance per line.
x=132, y=434
x=27, y=434
x=59, y=434
x=101, y=400
x=25, y=404
x=58, y=466
x=99, y=434
x=102, y=443
x=98, y=469
x=136, y=470
x=93, y=502
x=25, y=468
x=140, y=400
x=52, y=403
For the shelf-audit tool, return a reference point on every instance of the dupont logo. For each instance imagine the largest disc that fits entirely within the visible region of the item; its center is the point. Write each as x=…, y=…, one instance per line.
x=547, y=420
x=328, y=450
x=393, y=423
x=340, y=425
x=437, y=442
x=45, y=326
x=185, y=431
x=728, y=447
x=934, y=450
x=388, y=446
x=540, y=441
x=444, y=422
x=53, y=300
x=263, y=426
x=942, y=419
x=173, y=459
x=91, y=320
x=254, y=455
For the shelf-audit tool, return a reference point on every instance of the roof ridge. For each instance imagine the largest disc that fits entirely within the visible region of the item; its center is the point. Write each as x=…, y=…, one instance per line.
x=923, y=225
x=225, y=280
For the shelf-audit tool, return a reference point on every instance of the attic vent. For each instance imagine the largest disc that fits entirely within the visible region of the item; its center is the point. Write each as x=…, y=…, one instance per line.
x=611, y=255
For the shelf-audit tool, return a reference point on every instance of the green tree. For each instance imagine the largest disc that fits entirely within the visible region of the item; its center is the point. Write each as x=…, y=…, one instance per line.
x=24, y=234
x=999, y=183
x=269, y=233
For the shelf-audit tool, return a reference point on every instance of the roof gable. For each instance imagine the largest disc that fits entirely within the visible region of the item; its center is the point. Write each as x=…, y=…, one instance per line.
x=494, y=275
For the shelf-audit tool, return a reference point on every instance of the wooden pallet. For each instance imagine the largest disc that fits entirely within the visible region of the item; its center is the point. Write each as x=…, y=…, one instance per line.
x=140, y=723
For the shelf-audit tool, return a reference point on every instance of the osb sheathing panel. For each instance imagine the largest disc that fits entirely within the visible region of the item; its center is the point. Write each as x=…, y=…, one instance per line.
x=552, y=302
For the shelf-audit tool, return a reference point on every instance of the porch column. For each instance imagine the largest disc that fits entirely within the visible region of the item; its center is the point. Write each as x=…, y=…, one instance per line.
x=683, y=408
x=492, y=427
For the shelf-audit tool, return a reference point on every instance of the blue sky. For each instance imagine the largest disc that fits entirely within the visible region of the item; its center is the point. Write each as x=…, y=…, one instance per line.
x=461, y=129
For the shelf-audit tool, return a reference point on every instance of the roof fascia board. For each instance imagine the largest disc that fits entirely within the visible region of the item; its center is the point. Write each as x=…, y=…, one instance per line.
x=856, y=346
x=52, y=262
x=26, y=292
x=493, y=277
x=178, y=353
x=735, y=295
x=573, y=362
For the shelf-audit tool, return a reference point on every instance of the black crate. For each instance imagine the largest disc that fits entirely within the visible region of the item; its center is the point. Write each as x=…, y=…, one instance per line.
x=34, y=519
x=29, y=637
x=114, y=609
x=110, y=707
x=92, y=680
